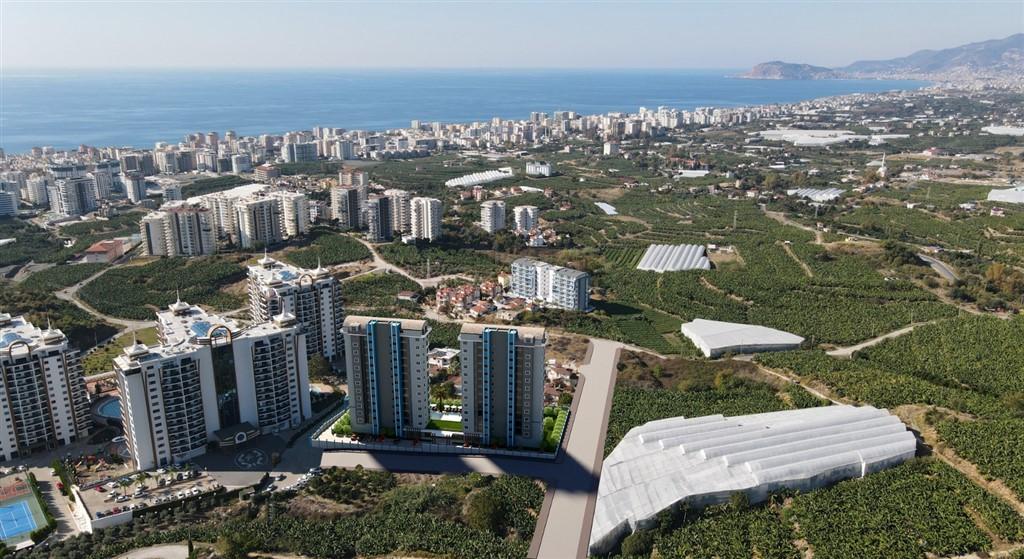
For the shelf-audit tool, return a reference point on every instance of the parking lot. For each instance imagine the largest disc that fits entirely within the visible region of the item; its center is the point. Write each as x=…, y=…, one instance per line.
x=145, y=490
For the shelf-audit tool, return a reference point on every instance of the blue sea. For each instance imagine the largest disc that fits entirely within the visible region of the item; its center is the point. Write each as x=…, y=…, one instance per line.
x=139, y=108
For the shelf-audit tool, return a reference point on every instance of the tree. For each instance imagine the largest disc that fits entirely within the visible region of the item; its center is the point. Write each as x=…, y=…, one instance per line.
x=318, y=367
x=483, y=511
x=232, y=545
x=638, y=544
x=565, y=399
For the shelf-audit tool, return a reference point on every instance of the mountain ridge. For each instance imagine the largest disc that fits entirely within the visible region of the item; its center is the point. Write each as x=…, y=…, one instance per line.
x=995, y=57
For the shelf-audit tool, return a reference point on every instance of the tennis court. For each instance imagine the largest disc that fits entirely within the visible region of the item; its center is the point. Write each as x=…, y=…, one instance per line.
x=20, y=513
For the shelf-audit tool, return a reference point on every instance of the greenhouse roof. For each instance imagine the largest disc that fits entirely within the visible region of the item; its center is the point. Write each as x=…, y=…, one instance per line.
x=704, y=460
x=715, y=338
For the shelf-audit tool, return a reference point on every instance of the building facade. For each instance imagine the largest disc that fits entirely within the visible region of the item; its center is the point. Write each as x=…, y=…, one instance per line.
x=378, y=219
x=502, y=384
x=44, y=403
x=387, y=366
x=556, y=286
x=492, y=216
x=526, y=218
x=72, y=196
x=425, y=218
x=179, y=230
x=312, y=296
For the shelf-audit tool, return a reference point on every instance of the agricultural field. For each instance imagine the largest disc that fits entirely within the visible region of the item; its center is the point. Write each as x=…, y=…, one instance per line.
x=441, y=261
x=82, y=329
x=648, y=388
x=778, y=278
x=60, y=276
x=328, y=249
x=86, y=233
x=211, y=185
x=375, y=290
x=32, y=242
x=137, y=292
x=922, y=508
x=101, y=358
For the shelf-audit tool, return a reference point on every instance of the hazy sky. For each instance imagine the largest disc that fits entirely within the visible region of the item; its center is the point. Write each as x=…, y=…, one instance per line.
x=523, y=34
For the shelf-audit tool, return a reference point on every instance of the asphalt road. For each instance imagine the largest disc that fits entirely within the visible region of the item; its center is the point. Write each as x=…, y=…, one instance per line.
x=572, y=479
x=940, y=267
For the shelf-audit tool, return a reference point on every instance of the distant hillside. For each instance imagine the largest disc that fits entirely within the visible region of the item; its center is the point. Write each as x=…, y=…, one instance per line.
x=777, y=70
x=995, y=57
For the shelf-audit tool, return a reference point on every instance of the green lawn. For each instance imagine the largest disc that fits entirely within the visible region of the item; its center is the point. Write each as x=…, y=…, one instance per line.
x=445, y=425
x=102, y=358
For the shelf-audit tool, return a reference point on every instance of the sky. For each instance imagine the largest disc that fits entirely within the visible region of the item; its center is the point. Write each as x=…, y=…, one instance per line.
x=41, y=34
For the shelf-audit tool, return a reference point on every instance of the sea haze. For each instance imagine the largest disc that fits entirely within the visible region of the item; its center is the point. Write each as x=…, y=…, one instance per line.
x=139, y=108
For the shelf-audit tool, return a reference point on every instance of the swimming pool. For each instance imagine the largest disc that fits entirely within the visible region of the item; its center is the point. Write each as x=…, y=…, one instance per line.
x=110, y=409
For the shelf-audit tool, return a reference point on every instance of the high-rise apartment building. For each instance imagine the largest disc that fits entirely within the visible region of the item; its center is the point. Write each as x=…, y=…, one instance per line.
x=259, y=221
x=556, y=286
x=43, y=401
x=313, y=297
x=209, y=380
x=400, y=210
x=388, y=383
x=36, y=189
x=294, y=212
x=492, y=216
x=179, y=229
x=72, y=196
x=526, y=217
x=134, y=186
x=345, y=207
x=298, y=152
x=502, y=384
x=353, y=177
x=378, y=219
x=9, y=201
x=425, y=218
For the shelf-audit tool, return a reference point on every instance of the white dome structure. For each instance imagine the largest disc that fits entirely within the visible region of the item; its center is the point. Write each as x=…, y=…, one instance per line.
x=704, y=460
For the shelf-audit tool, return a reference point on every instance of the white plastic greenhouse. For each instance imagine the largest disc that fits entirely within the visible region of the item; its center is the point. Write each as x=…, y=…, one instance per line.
x=715, y=338
x=674, y=258
x=704, y=460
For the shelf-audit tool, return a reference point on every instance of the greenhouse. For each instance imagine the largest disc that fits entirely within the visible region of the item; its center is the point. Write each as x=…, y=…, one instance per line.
x=674, y=258
x=715, y=338
x=1013, y=195
x=704, y=460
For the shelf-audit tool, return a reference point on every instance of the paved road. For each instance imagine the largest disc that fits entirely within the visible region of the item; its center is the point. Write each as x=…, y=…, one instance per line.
x=572, y=478
x=940, y=267
x=70, y=294
x=381, y=264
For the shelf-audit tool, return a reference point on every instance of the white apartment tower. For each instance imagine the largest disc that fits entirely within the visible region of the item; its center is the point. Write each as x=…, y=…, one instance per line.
x=134, y=186
x=388, y=383
x=43, y=398
x=179, y=230
x=492, y=216
x=400, y=210
x=259, y=221
x=313, y=297
x=526, y=217
x=294, y=212
x=556, y=286
x=210, y=380
x=425, y=218
x=345, y=207
x=72, y=196
x=502, y=384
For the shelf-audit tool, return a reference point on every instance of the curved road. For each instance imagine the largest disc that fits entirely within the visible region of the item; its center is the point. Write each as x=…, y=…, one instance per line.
x=940, y=267
x=70, y=294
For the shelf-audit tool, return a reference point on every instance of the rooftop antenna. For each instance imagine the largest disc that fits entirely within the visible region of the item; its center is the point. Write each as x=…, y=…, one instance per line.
x=318, y=262
x=177, y=293
x=135, y=337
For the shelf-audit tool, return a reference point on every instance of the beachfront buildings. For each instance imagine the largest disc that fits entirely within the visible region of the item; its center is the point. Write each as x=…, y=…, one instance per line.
x=179, y=229
x=210, y=380
x=502, y=384
x=43, y=402
x=388, y=385
x=492, y=216
x=425, y=218
x=312, y=296
x=555, y=286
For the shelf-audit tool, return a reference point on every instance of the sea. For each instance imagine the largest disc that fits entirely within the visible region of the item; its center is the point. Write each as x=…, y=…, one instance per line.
x=139, y=108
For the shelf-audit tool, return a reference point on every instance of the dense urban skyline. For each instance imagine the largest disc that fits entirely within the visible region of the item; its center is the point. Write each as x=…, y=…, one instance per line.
x=567, y=34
